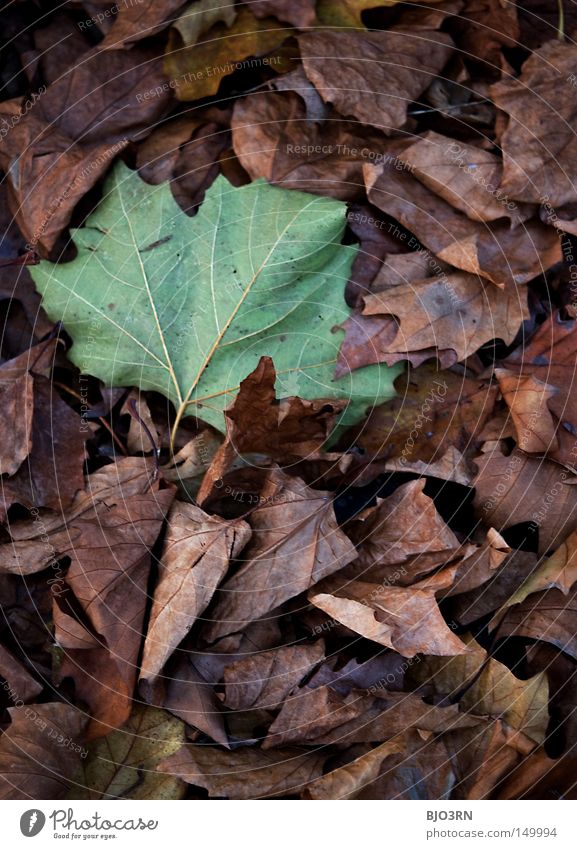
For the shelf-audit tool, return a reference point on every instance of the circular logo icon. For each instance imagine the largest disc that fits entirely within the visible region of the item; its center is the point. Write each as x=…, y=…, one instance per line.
x=32, y=822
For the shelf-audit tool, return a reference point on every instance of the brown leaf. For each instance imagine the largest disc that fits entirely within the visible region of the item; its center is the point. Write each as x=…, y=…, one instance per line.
x=223, y=47
x=322, y=716
x=539, y=777
x=65, y=144
x=285, y=430
x=274, y=138
x=483, y=757
x=296, y=542
x=387, y=666
x=61, y=174
x=527, y=398
x=107, y=533
x=448, y=317
x=433, y=412
x=479, y=563
x=407, y=620
x=467, y=177
x=53, y=472
x=492, y=250
x=452, y=466
x=550, y=616
x=473, y=604
x=245, y=773
x=265, y=680
x=135, y=21
x=16, y=411
x=348, y=781
x=518, y=488
x=40, y=750
x=539, y=146
x=378, y=250
x=402, y=538
x=487, y=687
x=110, y=564
x=373, y=76
x=299, y=13
x=557, y=572
x=38, y=541
x=550, y=359
x=485, y=27
x=196, y=555
x=192, y=698
x=20, y=684
x=422, y=771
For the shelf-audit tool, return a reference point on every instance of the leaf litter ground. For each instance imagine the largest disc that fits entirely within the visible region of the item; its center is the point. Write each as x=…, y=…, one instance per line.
x=288, y=354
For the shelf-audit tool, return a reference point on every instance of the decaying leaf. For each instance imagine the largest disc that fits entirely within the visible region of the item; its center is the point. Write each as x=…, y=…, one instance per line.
x=196, y=555
x=407, y=620
x=492, y=251
x=296, y=542
x=373, y=76
x=264, y=681
x=518, y=488
x=487, y=687
x=527, y=399
x=197, y=69
x=348, y=781
x=246, y=773
x=535, y=171
x=559, y=571
x=322, y=716
x=455, y=310
x=40, y=750
x=124, y=764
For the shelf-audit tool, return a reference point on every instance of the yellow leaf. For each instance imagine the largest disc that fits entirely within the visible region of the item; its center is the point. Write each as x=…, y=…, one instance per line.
x=197, y=70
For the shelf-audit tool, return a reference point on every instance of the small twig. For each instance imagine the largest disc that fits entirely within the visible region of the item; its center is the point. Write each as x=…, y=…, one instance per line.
x=101, y=419
x=54, y=334
x=133, y=410
x=454, y=106
x=29, y=258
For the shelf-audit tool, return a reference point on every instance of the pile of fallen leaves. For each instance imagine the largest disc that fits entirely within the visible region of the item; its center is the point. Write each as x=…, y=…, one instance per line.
x=289, y=454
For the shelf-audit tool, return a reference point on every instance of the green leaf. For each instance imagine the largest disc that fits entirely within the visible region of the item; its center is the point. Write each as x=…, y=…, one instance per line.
x=123, y=764
x=187, y=306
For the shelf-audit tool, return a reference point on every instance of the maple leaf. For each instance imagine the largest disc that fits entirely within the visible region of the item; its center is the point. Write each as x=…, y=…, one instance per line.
x=187, y=307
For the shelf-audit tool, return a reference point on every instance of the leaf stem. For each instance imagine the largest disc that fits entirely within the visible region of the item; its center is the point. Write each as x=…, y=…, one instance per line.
x=561, y=24
x=179, y=414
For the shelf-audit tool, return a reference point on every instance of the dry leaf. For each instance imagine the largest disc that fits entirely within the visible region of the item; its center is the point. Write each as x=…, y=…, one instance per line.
x=527, y=398
x=195, y=557
x=265, y=680
x=198, y=69
x=449, y=317
x=348, y=781
x=407, y=620
x=518, y=488
x=493, y=250
x=296, y=542
x=40, y=750
x=538, y=162
x=373, y=76
x=245, y=773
